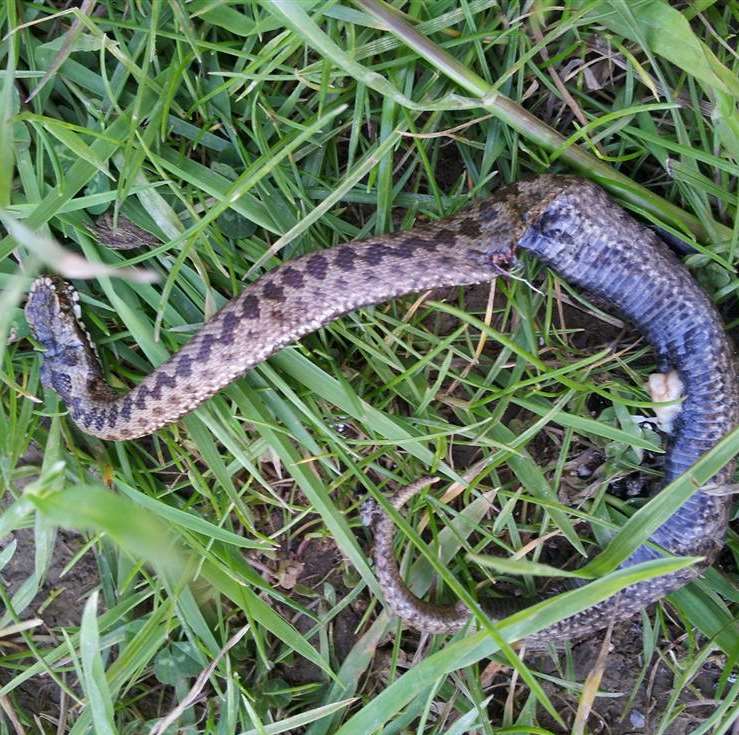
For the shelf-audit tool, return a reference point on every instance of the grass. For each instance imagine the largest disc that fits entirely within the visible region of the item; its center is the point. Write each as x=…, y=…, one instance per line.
x=239, y=136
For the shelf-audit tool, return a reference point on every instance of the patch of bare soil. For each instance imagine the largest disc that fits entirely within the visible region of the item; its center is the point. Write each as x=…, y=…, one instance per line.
x=634, y=697
x=58, y=603
x=319, y=563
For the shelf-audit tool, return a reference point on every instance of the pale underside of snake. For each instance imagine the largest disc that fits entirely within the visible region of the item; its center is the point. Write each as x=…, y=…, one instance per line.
x=569, y=224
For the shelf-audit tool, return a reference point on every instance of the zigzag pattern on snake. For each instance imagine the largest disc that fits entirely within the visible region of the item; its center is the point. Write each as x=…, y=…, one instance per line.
x=568, y=223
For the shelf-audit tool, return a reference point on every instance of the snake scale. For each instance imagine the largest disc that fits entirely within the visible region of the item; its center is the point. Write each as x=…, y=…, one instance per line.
x=569, y=224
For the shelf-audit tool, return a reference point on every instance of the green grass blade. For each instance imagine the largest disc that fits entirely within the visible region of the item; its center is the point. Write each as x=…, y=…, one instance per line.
x=652, y=515
x=96, y=684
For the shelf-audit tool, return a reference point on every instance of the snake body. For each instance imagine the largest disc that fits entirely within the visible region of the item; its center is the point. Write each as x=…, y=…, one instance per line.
x=569, y=224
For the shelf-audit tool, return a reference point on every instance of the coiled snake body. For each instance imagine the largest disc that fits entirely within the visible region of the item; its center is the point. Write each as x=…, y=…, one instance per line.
x=569, y=224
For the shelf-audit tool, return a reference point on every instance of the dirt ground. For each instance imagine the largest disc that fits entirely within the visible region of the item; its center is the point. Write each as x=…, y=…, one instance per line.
x=58, y=604
x=618, y=713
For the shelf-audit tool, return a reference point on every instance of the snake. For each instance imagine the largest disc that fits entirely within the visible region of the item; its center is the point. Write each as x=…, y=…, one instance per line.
x=569, y=224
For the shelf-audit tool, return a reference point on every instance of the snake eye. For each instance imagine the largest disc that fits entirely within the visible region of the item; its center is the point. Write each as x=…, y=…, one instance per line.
x=550, y=224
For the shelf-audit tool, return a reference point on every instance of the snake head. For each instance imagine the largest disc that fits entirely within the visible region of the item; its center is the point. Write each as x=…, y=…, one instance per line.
x=53, y=314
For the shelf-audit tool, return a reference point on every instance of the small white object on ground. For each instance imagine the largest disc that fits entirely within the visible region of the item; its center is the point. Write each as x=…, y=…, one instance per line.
x=665, y=387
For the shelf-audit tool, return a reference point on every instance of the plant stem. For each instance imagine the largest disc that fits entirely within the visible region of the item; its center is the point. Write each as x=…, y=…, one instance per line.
x=528, y=125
